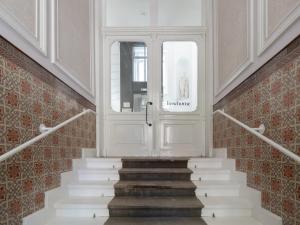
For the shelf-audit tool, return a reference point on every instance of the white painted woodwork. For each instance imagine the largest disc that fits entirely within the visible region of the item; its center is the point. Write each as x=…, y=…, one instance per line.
x=79, y=200
x=28, y=19
x=24, y=11
x=72, y=31
x=60, y=37
x=232, y=44
x=172, y=134
x=76, y=202
x=261, y=29
x=274, y=18
x=225, y=194
x=277, y=11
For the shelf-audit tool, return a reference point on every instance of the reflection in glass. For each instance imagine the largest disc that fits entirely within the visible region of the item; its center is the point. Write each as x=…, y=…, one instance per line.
x=140, y=63
x=179, y=76
x=129, y=76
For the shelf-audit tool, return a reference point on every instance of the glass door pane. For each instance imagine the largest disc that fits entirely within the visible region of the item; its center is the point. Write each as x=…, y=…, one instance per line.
x=127, y=13
x=179, y=76
x=180, y=13
x=129, y=76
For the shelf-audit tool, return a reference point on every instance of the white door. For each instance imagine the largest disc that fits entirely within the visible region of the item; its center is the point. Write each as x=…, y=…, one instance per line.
x=154, y=95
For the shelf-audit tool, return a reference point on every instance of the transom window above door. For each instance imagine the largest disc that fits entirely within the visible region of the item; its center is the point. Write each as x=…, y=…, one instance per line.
x=145, y=13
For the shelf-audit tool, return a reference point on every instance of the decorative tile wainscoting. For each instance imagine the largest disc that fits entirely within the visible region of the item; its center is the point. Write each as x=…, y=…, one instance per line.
x=272, y=97
x=29, y=96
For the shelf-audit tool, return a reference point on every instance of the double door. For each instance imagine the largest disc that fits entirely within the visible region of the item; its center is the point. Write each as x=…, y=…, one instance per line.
x=154, y=95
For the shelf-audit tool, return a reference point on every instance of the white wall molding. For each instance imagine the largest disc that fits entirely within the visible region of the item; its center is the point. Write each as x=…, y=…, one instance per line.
x=20, y=42
x=109, y=31
x=266, y=39
x=38, y=38
x=263, y=49
x=27, y=41
x=55, y=57
x=250, y=49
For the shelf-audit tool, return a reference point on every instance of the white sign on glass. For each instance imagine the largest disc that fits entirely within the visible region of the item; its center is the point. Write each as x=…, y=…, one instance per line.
x=180, y=76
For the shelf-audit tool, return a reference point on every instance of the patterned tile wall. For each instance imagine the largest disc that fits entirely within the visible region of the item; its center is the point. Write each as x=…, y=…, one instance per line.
x=275, y=102
x=25, y=102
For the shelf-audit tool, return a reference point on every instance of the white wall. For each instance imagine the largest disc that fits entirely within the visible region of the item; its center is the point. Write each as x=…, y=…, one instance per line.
x=247, y=33
x=58, y=34
x=24, y=12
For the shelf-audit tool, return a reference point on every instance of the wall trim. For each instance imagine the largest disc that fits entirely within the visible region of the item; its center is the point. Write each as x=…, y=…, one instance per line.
x=250, y=52
x=38, y=38
x=265, y=39
x=283, y=39
x=9, y=33
x=55, y=59
x=24, y=61
x=290, y=52
x=151, y=30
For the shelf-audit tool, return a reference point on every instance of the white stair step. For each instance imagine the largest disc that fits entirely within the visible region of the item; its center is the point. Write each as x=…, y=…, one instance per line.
x=197, y=163
x=226, y=206
x=77, y=221
x=231, y=221
x=210, y=174
x=92, y=189
x=217, y=188
x=82, y=207
x=104, y=163
x=98, y=175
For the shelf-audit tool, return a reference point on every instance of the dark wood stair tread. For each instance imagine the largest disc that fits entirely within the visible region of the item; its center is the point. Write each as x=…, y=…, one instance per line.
x=155, y=184
x=155, y=162
x=154, y=170
x=132, y=202
x=155, y=221
x=154, y=159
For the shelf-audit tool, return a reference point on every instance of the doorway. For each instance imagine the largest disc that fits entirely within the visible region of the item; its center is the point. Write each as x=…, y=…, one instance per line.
x=154, y=90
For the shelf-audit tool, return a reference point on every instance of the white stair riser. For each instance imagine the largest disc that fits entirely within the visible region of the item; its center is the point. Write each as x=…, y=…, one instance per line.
x=104, y=165
x=80, y=213
x=196, y=165
x=98, y=177
x=214, y=192
x=91, y=192
x=210, y=176
x=208, y=212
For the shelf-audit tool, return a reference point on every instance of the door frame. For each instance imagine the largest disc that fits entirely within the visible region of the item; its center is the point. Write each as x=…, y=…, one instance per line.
x=147, y=35
x=171, y=118
x=124, y=118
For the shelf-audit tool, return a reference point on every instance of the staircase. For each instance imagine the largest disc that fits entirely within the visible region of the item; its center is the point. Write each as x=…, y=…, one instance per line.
x=153, y=191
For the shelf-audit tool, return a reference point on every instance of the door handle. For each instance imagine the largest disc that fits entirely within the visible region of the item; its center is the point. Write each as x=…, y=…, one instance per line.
x=149, y=124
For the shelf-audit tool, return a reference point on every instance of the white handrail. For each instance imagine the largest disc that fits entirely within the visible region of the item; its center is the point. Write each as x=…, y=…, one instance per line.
x=264, y=138
x=41, y=136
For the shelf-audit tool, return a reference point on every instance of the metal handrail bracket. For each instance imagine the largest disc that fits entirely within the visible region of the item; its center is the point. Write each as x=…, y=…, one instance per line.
x=45, y=131
x=259, y=133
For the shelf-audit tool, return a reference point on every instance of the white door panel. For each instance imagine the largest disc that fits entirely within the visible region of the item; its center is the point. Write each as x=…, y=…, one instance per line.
x=182, y=138
x=171, y=78
x=128, y=138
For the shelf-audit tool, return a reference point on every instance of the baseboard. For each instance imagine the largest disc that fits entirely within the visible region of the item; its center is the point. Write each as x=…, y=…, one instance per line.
x=46, y=213
x=254, y=196
x=89, y=153
x=52, y=196
x=219, y=153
